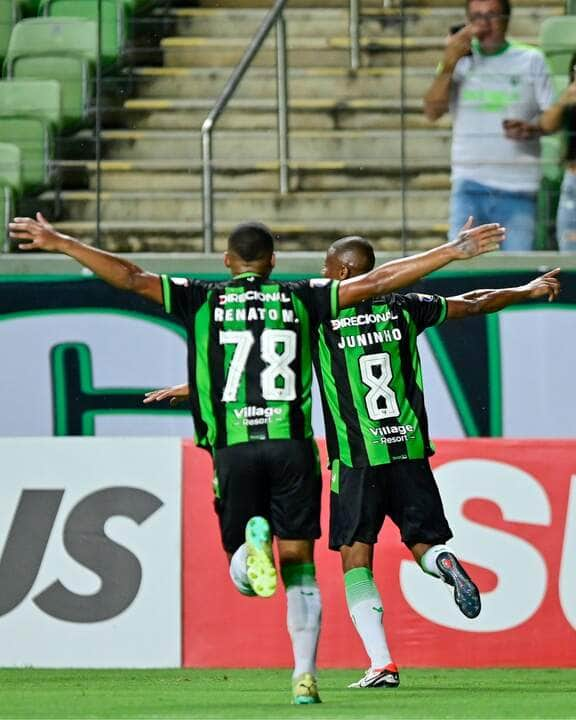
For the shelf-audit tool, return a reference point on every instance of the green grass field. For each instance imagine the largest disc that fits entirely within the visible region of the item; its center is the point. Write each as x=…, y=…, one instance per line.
x=459, y=694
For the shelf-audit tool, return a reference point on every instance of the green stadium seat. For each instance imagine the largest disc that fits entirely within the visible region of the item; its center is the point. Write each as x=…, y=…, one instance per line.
x=11, y=166
x=29, y=7
x=9, y=16
x=6, y=212
x=558, y=41
x=115, y=16
x=63, y=49
x=32, y=97
x=34, y=136
x=10, y=185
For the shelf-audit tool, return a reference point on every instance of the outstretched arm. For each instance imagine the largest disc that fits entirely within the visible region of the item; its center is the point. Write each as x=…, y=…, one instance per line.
x=400, y=273
x=40, y=235
x=177, y=394
x=482, y=302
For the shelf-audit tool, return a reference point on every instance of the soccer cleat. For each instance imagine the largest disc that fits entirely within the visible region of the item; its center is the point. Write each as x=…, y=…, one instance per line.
x=262, y=574
x=387, y=677
x=305, y=690
x=466, y=594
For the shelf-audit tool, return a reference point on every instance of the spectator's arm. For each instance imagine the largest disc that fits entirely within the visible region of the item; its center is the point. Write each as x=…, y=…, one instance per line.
x=437, y=97
x=551, y=119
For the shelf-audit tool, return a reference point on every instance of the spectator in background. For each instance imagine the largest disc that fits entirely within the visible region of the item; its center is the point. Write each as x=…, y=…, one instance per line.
x=564, y=116
x=497, y=91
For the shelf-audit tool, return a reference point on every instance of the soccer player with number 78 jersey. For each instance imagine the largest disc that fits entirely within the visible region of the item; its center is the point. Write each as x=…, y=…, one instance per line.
x=250, y=372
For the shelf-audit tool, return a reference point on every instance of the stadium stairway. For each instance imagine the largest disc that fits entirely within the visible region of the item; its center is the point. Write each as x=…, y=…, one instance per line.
x=346, y=148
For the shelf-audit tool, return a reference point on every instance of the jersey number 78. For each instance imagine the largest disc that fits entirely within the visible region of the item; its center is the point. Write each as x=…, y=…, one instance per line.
x=277, y=380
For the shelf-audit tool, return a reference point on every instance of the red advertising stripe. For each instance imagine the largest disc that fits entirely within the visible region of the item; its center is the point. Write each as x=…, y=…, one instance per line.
x=507, y=501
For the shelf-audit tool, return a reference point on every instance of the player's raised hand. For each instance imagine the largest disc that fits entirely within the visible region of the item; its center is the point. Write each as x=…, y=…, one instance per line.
x=177, y=394
x=547, y=285
x=472, y=241
x=38, y=234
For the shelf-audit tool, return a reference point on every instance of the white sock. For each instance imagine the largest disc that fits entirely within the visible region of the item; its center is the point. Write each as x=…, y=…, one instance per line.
x=238, y=571
x=367, y=613
x=304, y=612
x=428, y=560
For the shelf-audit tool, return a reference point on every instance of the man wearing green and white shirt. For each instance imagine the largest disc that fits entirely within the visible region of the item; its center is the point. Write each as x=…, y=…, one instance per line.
x=498, y=92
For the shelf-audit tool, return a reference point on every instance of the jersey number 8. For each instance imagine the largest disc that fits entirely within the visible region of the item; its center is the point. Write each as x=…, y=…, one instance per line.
x=380, y=399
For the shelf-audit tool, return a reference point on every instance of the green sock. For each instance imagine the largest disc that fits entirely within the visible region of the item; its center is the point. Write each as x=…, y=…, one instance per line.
x=366, y=611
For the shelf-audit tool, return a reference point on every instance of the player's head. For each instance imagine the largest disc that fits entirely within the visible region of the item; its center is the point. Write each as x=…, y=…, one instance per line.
x=348, y=257
x=250, y=247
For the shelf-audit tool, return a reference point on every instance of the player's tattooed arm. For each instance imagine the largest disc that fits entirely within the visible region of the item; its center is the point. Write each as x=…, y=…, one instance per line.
x=177, y=394
x=482, y=302
x=38, y=234
x=398, y=274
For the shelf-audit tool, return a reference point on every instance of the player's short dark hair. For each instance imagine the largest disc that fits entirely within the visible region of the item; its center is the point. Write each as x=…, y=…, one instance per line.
x=251, y=241
x=355, y=250
x=505, y=7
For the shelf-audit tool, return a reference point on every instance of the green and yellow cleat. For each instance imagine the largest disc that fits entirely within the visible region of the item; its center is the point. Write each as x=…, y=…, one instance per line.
x=305, y=690
x=262, y=574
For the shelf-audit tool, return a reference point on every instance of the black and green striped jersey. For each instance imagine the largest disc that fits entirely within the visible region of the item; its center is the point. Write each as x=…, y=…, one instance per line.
x=370, y=377
x=250, y=354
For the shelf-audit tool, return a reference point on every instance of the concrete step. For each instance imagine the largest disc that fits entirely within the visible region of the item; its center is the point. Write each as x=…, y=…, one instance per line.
x=430, y=206
x=315, y=83
x=244, y=22
x=162, y=176
x=304, y=52
x=376, y=21
x=309, y=4
x=366, y=4
x=129, y=236
x=430, y=146
x=305, y=114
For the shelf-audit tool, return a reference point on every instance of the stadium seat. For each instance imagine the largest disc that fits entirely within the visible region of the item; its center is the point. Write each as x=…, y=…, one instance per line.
x=9, y=16
x=11, y=166
x=35, y=138
x=557, y=42
x=64, y=49
x=10, y=184
x=115, y=16
x=29, y=7
x=6, y=210
x=32, y=97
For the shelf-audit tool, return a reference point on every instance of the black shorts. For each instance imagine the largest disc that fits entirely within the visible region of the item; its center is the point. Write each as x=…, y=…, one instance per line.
x=406, y=491
x=278, y=479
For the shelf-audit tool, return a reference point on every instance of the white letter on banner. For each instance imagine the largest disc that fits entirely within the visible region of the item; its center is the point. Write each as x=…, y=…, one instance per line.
x=521, y=570
x=567, y=582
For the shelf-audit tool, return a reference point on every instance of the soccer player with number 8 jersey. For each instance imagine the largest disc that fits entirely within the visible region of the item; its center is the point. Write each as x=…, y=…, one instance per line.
x=377, y=436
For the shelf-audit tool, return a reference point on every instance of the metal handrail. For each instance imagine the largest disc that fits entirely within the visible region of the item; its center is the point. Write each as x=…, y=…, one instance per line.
x=273, y=18
x=354, y=32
